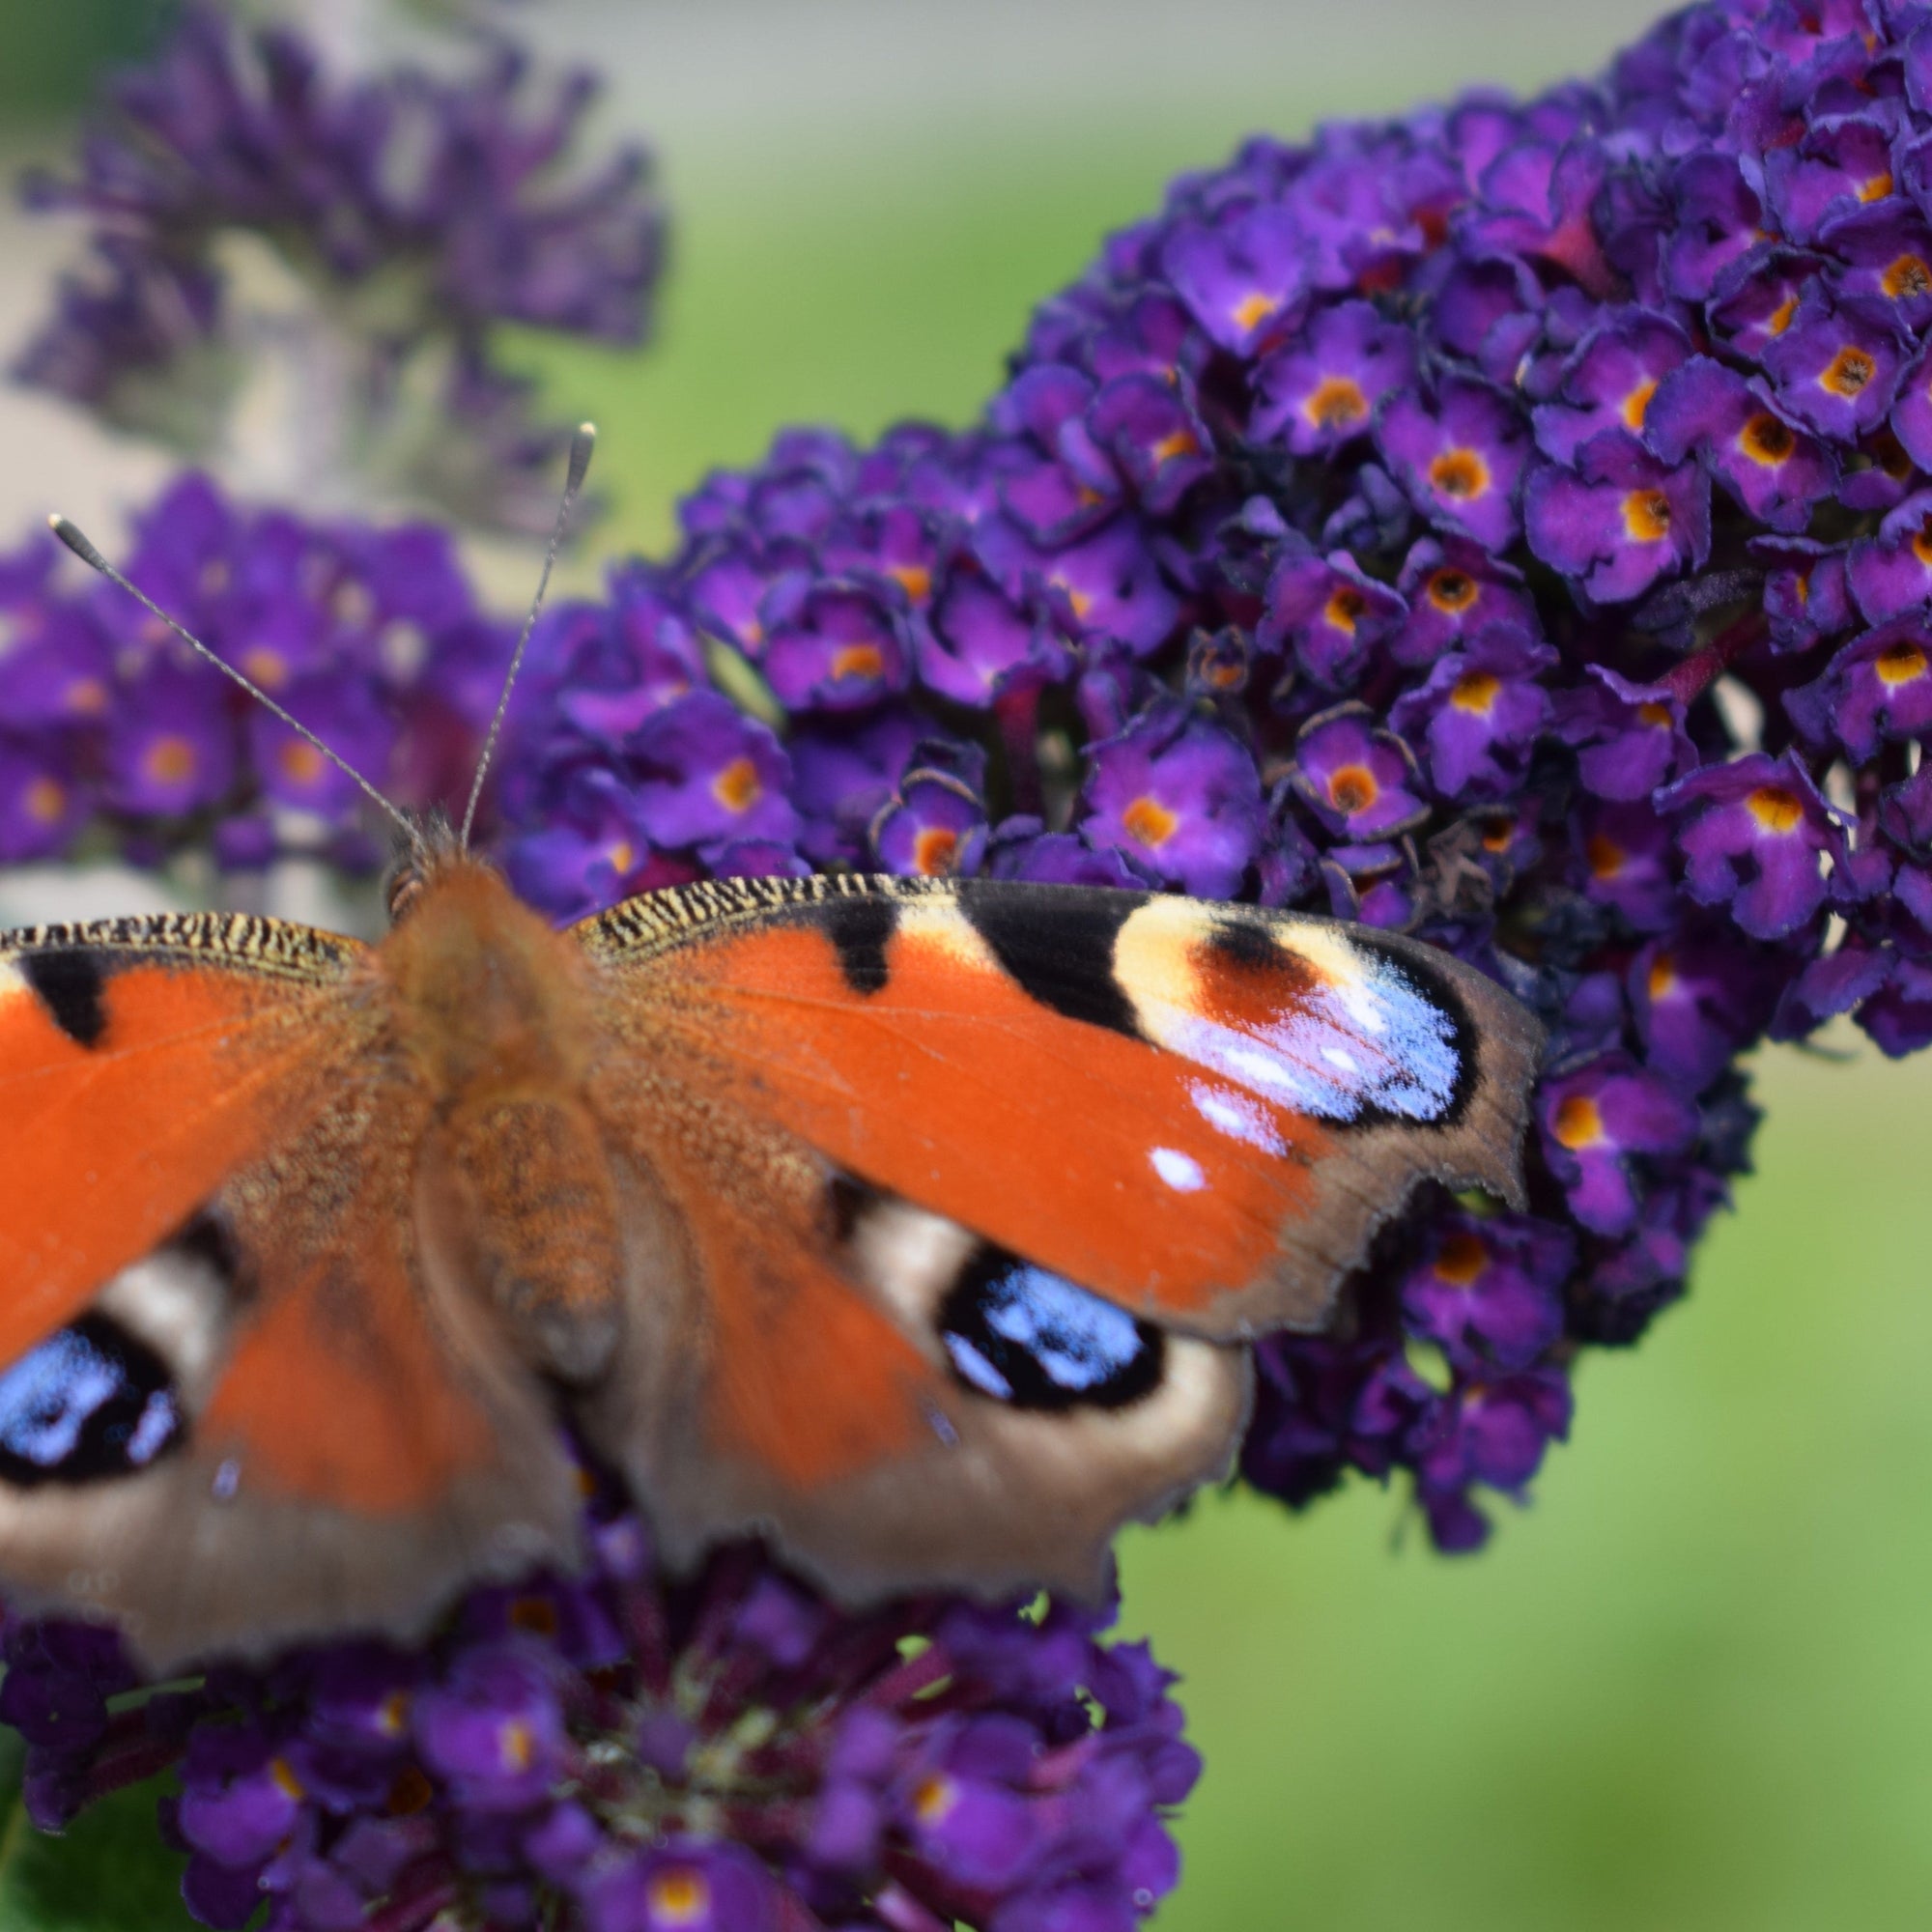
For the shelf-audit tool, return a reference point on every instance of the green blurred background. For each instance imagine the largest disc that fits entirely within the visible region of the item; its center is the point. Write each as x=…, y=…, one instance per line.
x=1691, y=1688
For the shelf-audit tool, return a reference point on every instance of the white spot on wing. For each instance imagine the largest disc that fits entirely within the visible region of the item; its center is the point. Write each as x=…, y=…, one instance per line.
x=1181, y=1171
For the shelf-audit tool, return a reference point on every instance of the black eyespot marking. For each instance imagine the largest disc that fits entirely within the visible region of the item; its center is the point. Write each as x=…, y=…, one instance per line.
x=91, y=1403
x=860, y=928
x=1033, y=1339
x=1058, y=946
x=68, y=984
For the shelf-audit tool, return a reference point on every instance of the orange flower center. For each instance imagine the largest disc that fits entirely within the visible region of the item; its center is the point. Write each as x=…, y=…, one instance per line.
x=1656, y=716
x=736, y=787
x=87, y=697
x=268, y=667
x=1766, y=439
x=300, y=762
x=1908, y=276
x=46, y=801
x=1647, y=515
x=1580, y=1122
x=678, y=1896
x=1848, y=372
x=1779, y=318
x=516, y=1747
x=170, y=761
x=1875, y=188
x=1900, y=662
x=535, y=1614
x=1775, y=808
x=1452, y=590
x=1351, y=788
x=1182, y=443
x=934, y=1798
x=1461, y=474
x=914, y=578
x=1254, y=309
x=934, y=850
x=1475, y=691
x=1344, y=608
x=1636, y=405
x=1150, y=821
x=1461, y=1260
x=858, y=661
x=411, y=1792
x=291, y=1786
x=1605, y=856
x=1335, y=402
x=1663, y=977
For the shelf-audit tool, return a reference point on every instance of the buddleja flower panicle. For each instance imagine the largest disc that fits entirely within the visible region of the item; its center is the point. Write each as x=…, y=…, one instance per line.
x=1376, y=530
x=727, y=1752
x=415, y=213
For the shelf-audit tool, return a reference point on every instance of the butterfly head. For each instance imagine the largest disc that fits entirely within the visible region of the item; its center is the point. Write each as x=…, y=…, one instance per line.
x=432, y=850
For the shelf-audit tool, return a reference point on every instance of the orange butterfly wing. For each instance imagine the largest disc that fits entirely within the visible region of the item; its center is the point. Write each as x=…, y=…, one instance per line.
x=206, y=1172
x=1199, y=1111
x=888, y=1134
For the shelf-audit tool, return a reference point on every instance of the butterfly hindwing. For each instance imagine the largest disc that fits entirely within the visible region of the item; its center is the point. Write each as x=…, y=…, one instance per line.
x=234, y=1404
x=901, y=1404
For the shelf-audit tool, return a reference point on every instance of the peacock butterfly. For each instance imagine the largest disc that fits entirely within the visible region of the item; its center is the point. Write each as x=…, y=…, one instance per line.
x=920, y=1225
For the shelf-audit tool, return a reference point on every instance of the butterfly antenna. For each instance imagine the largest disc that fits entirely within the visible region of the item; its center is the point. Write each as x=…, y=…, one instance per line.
x=76, y=540
x=581, y=444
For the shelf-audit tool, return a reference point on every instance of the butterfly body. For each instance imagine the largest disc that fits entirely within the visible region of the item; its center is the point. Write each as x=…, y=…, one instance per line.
x=919, y=1226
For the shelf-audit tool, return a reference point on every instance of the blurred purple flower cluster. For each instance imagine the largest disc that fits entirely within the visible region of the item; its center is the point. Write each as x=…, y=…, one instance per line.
x=412, y=211
x=1504, y=524
x=372, y=636
x=727, y=1754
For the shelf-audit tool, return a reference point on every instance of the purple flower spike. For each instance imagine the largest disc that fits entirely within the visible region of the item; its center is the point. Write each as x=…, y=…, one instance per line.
x=1329, y=614
x=1729, y=421
x=934, y=825
x=1606, y=386
x=1754, y=835
x=1629, y=737
x=1455, y=591
x=1836, y=366
x=1877, y=689
x=1479, y=711
x=1323, y=392
x=1360, y=782
x=1595, y=1122
x=1492, y=1290
x=405, y=213
x=1458, y=463
x=1274, y=449
x=832, y=647
x=173, y=751
x=1620, y=522
x=1177, y=795
x=495, y=1729
x=710, y=774
x=1892, y=572
x=1240, y=274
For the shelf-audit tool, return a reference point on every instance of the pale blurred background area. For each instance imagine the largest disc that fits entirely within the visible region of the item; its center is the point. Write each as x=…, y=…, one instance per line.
x=1691, y=1689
